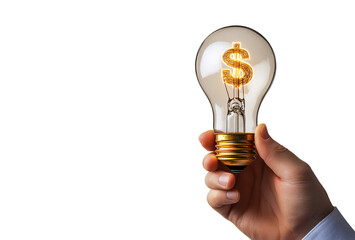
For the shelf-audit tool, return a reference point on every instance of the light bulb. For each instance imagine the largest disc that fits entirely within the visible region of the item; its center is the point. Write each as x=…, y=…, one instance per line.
x=235, y=67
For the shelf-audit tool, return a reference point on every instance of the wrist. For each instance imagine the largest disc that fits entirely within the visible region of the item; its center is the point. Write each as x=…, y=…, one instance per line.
x=314, y=220
x=333, y=226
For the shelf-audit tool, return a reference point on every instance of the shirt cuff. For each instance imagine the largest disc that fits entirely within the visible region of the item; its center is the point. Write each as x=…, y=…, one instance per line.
x=333, y=226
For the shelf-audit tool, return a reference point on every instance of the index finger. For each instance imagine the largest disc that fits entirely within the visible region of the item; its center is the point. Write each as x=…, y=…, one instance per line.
x=207, y=140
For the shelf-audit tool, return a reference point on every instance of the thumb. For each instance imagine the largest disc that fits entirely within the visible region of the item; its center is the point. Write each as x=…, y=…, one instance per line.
x=280, y=160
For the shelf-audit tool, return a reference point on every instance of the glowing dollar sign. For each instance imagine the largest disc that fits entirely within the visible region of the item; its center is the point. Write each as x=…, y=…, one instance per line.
x=242, y=71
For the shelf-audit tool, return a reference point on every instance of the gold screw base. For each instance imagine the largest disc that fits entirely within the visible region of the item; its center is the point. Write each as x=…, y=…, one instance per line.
x=235, y=150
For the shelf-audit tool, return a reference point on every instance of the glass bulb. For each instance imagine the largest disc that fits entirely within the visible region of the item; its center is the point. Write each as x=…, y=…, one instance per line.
x=235, y=67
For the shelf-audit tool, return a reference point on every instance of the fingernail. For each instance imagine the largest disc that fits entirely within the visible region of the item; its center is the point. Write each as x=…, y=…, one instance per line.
x=232, y=195
x=223, y=179
x=264, y=132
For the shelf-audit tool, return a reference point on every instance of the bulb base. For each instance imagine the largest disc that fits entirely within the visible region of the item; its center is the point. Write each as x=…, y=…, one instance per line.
x=235, y=150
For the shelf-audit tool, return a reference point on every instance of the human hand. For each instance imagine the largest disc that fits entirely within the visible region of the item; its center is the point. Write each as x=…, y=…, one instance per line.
x=276, y=197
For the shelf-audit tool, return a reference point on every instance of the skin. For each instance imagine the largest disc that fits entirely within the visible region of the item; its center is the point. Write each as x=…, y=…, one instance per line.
x=276, y=197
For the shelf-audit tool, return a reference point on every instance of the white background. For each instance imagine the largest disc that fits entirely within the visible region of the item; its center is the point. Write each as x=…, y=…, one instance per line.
x=100, y=112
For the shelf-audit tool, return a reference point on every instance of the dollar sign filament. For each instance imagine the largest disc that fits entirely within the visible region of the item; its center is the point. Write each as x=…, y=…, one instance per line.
x=243, y=72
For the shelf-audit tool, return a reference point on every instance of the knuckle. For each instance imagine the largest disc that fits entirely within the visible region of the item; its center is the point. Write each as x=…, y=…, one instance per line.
x=211, y=180
x=212, y=199
x=208, y=161
x=205, y=157
x=304, y=168
x=301, y=173
x=207, y=179
x=209, y=155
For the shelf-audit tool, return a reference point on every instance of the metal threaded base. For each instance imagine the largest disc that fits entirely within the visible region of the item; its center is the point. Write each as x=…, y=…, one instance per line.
x=235, y=150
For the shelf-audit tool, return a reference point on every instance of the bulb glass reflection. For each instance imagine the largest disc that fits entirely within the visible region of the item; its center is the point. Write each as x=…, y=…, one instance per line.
x=235, y=67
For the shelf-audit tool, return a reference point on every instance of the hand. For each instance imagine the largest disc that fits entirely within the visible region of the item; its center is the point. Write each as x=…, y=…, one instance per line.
x=276, y=197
